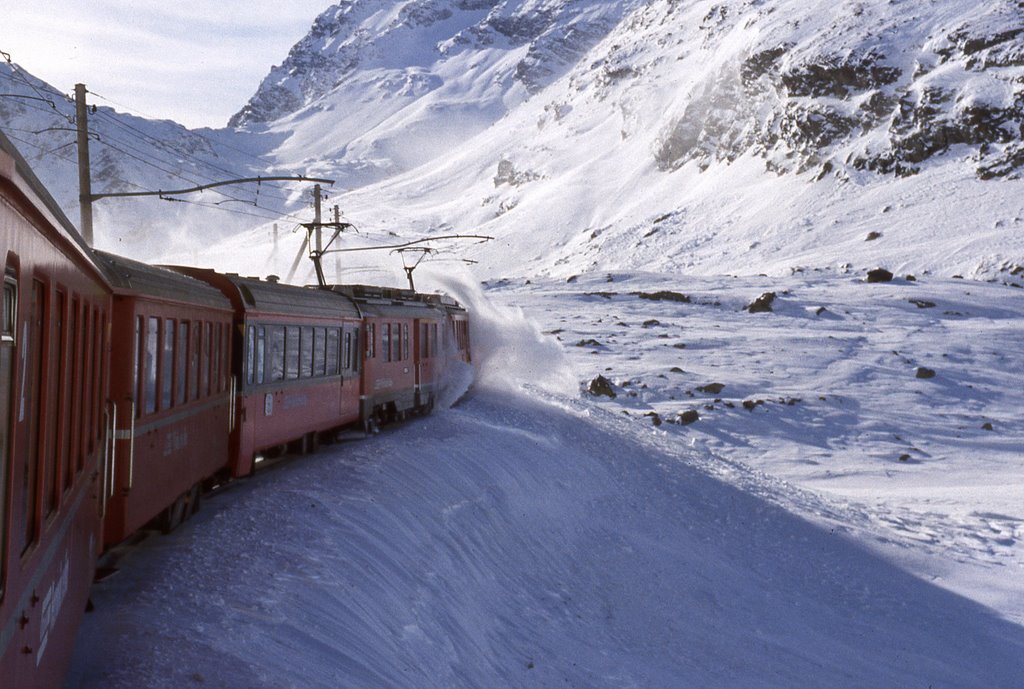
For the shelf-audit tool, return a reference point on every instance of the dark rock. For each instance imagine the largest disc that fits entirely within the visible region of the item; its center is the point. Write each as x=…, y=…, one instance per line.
x=688, y=416
x=987, y=426
x=712, y=388
x=762, y=304
x=879, y=275
x=750, y=404
x=904, y=457
x=589, y=343
x=655, y=417
x=910, y=278
x=664, y=295
x=602, y=386
x=872, y=236
x=676, y=369
x=651, y=323
x=680, y=345
x=922, y=303
x=923, y=372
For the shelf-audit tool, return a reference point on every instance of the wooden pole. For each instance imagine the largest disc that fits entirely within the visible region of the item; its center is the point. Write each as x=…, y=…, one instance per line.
x=84, y=175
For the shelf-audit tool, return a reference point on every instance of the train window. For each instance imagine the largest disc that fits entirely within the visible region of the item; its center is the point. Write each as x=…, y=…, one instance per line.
x=319, y=352
x=424, y=342
x=333, y=337
x=385, y=340
x=34, y=346
x=405, y=340
x=346, y=351
x=181, y=364
x=70, y=395
x=291, y=352
x=250, y=354
x=99, y=322
x=204, y=362
x=78, y=327
x=87, y=326
x=433, y=338
x=10, y=313
x=152, y=356
x=138, y=374
x=214, y=353
x=353, y=360
x=396, y=342
x=276, y=356
x=55, y=404
x=194, y=358
x=261, y=346
x=306, y=352
x=167, y=365
x=371, y=340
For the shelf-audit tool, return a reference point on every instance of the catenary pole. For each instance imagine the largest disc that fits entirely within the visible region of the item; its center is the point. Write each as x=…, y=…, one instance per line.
x=84, y=177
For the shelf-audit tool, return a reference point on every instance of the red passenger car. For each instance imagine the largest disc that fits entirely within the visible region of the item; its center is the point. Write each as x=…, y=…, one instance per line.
x=53, y=355
x=412, y=341
x=296, y=355
x=170, y=393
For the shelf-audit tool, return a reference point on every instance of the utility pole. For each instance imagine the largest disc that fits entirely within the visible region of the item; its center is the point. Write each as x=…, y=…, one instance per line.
x=84, y=176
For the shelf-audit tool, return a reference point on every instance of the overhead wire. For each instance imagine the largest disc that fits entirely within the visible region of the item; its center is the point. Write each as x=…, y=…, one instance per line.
x=147, y=157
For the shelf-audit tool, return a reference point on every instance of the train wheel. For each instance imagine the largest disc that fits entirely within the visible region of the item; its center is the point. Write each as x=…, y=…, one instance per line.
x=195, y=500
x=173, y=516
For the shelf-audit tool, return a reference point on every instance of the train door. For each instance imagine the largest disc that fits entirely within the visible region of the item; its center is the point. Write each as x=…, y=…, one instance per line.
x=8, y=328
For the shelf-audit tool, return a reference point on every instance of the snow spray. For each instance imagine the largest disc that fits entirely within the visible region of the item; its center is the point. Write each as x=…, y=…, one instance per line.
x=509, y=351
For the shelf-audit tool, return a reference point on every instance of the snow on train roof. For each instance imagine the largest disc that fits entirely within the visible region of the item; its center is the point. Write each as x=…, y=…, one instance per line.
x=270, y=295
x=385, y=301
x=135, y=278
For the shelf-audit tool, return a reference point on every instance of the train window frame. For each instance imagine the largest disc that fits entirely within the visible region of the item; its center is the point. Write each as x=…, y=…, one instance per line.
x=291, y=352
x=319, y=352
x=275, y=352
x=168, y=339
x=306, y=351
x=371, y=340
x=250, y=354
x=346, y=350
x=405, y=341
x=152, y=358
x=332, y=347
x=385, y=340
x=261, y=352
x=9, y=325
x=181, y=363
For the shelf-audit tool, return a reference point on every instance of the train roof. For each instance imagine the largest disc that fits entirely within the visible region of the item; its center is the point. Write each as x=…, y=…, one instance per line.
x=16, y=169
x=270, y=296
x=134, y=278
x=386, y=301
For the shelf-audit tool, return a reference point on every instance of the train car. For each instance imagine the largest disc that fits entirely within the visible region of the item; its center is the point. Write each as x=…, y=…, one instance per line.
x=53, y=361
x=404, y=350
x=170, y=392
x=296, y=357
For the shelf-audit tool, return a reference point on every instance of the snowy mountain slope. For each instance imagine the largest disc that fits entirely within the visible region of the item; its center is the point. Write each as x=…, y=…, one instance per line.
x=130, y=153
x=658, y=135
x=601, y=165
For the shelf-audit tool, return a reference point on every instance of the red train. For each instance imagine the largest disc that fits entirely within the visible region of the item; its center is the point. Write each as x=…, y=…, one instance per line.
x=127, y=390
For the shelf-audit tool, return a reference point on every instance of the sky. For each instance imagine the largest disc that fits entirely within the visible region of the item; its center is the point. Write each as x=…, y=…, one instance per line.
x=193, y=62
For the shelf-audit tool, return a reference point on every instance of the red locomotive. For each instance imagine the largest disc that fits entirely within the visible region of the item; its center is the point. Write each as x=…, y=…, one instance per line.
x=127, y=389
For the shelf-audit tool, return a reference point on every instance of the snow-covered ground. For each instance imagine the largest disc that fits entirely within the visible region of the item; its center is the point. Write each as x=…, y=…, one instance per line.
x=857, y=526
